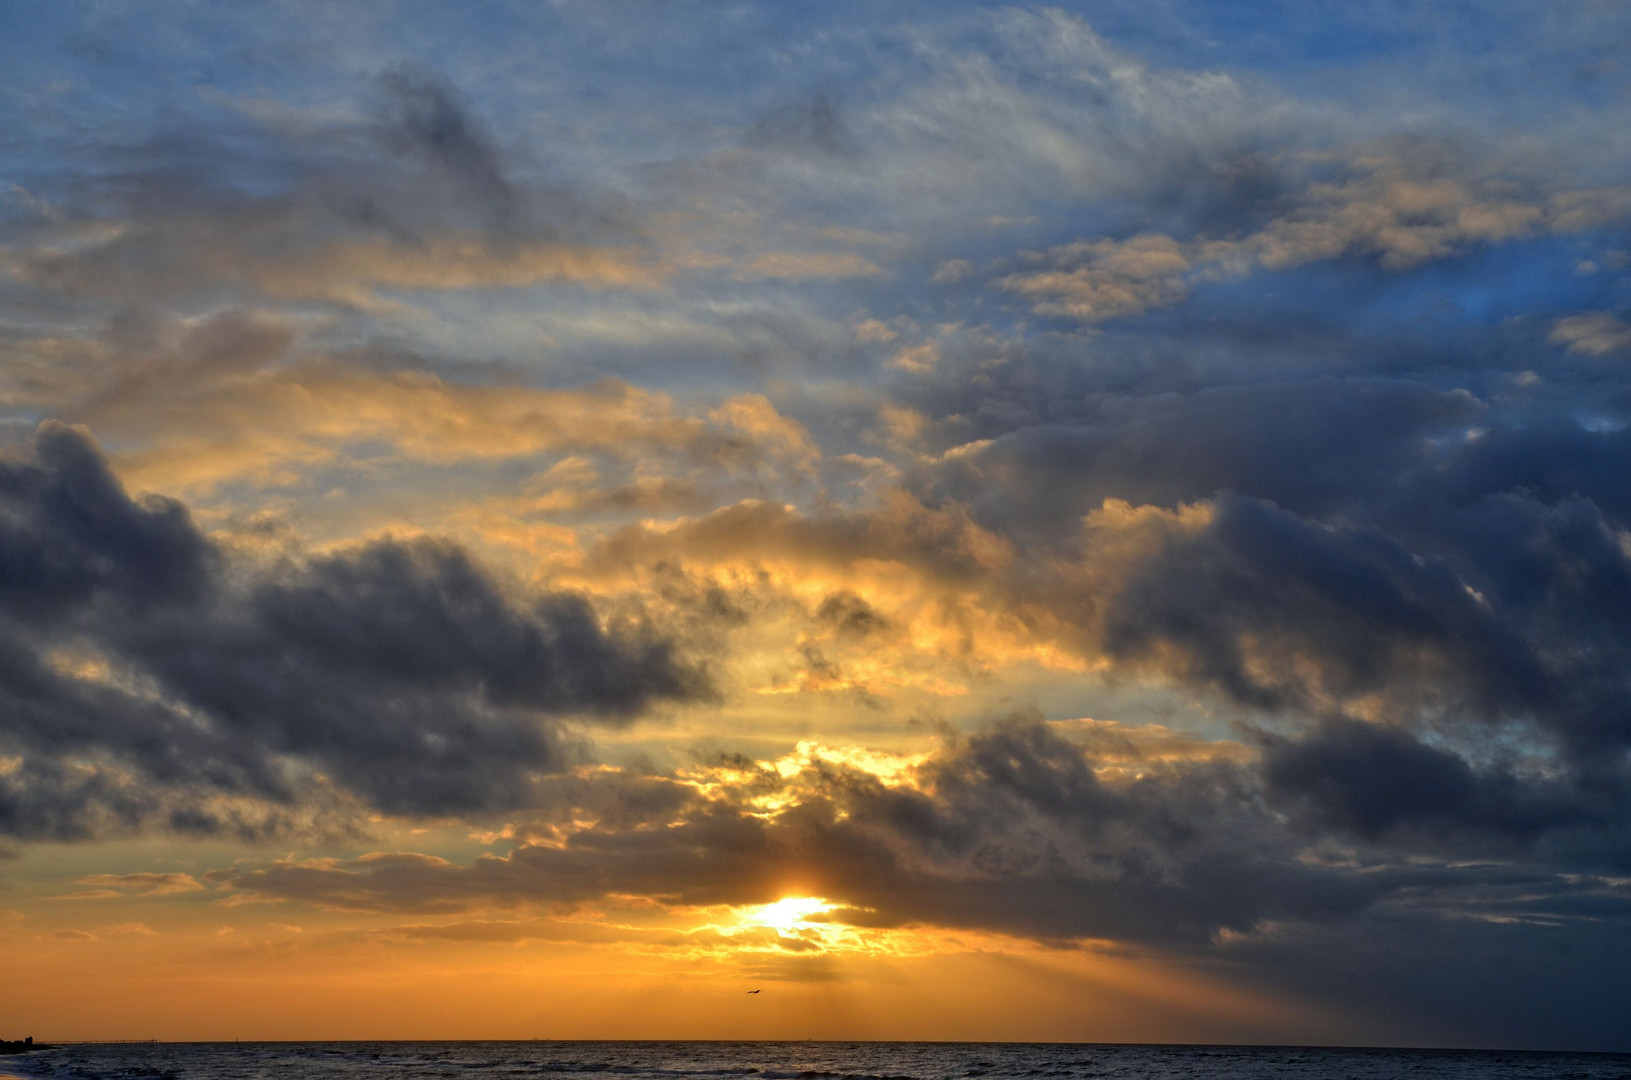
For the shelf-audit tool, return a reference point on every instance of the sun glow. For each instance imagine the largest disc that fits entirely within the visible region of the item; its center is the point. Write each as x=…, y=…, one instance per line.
x=787, y=914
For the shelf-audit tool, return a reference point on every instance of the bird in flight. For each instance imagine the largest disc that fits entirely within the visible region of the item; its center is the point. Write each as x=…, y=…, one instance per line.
x=753, y=991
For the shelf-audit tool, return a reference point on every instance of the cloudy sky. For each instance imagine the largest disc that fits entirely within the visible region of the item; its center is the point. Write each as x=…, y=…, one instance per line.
x=1108, y=521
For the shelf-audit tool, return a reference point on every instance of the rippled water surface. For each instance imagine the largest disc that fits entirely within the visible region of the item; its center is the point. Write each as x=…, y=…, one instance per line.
x=785, y=1061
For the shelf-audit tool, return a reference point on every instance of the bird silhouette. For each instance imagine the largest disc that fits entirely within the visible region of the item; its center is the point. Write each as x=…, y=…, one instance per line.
x=753, y=991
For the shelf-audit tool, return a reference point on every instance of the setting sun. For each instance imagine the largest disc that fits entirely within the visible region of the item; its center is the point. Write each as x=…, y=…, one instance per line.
x=786, y=914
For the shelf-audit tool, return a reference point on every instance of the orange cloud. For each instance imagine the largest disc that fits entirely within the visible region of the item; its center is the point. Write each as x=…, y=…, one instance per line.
x=353, y=269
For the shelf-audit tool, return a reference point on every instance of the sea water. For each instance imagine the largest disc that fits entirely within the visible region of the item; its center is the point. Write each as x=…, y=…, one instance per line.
x=788, y=1061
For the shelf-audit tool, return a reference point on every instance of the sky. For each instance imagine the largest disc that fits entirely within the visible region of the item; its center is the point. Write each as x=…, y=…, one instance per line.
x=1103, y=522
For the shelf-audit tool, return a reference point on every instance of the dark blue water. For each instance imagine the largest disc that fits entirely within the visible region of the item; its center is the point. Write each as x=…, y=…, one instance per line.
x=788, y=1061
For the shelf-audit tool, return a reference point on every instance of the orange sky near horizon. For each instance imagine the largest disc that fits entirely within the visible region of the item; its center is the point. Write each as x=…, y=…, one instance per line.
x=252, y=979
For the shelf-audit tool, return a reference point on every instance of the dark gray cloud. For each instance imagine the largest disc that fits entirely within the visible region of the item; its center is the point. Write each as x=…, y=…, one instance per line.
x=1489, y=609
x=1505, y=974
x=141, y=673
x=1422, y=593
x=1389, y=547
x=70, y=536
x=1369, y=780
x=1011, y=830
x=1371, y=557
x=424, y=117
x=1359, y=604
x=1313, y=445
x=404, y=673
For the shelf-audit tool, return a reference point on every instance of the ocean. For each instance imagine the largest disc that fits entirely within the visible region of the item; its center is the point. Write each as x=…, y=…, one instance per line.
x=789, y=1061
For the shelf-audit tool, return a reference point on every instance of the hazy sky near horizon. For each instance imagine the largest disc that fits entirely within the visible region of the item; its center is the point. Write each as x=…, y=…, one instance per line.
x=1102, y=521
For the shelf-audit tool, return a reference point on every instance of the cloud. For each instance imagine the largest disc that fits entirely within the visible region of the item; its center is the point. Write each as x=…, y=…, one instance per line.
x=1382, y=546
x=72, y=537
x=814, y=125
x=144, y=884
x=145, y=679
x=1009, y=831
x=793, y=265
x=403, y=672
x=1461, y=580
x=942, y=542
x=344, y=270
x=138, y=929
x=1025, y=831
x=1280, y=613
x=418, y=198
x=279, y=426
x=1396, y=206
x=351, y=271
x=1371, y=780
x=1595, y=334
x=424, y=117
x=1357, y=608
x=217, y=407
x=1106, y=280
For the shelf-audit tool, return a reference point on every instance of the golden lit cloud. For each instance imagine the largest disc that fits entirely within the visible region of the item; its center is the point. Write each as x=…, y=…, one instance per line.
x=352, y=271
